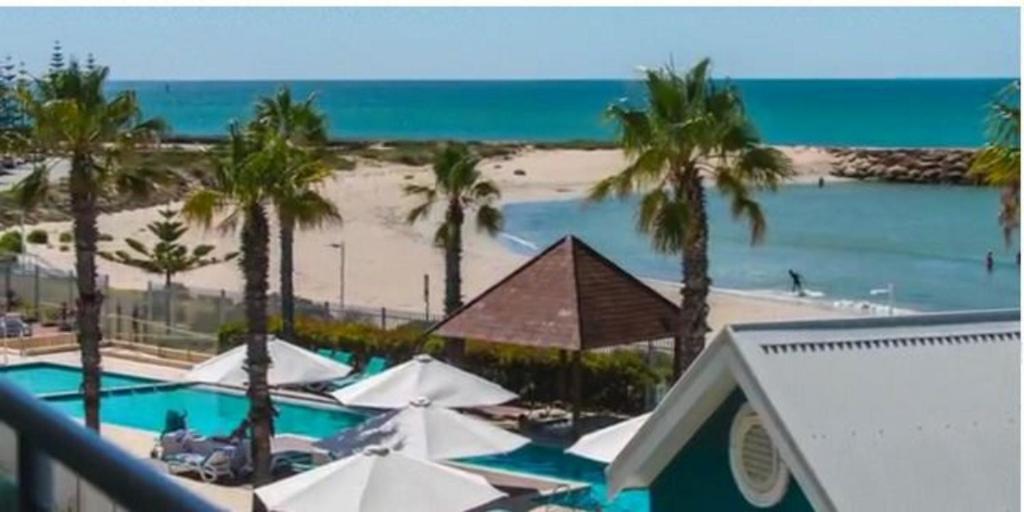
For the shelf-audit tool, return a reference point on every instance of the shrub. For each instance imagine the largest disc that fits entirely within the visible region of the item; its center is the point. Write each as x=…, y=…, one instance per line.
x=38, y=236
x=65, y=237
x=10, y=242
x=105, y=237
x=612, y=380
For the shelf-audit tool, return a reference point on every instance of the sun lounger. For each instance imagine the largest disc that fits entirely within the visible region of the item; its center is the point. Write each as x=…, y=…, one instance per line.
x=341, y=356
x=374, y=366
x=174, y=442
x=211, y=467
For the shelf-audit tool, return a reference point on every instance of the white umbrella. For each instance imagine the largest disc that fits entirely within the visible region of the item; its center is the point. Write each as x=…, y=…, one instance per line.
x=605, y=444
x=289, y=365
x=423, y=376
x=379, y=480
x=422, y=429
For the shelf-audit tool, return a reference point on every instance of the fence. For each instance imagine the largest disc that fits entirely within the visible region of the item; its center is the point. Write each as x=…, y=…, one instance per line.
x=173, y=318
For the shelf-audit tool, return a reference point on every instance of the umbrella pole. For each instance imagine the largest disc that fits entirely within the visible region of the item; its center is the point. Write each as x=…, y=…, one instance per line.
x=577, y=391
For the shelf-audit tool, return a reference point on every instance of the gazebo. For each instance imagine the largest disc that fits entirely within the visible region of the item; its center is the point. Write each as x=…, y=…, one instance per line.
x=568, y=297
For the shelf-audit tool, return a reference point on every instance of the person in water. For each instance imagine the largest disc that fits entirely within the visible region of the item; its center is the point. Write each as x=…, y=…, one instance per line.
x=989, y=262
x=798, y=285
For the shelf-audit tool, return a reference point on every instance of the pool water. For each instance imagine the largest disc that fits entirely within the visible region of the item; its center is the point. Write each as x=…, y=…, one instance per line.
x=210, y=411
x=47, y=378
x=213, y=411
x=553, y=462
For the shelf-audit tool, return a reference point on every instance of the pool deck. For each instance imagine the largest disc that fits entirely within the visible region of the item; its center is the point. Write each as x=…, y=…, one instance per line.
x=523, y=489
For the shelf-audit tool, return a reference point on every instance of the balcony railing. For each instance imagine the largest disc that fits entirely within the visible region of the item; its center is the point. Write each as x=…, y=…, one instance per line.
x=44, y=436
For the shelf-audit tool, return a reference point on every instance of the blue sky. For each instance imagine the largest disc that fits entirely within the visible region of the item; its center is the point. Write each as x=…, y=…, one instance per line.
x=482, y=43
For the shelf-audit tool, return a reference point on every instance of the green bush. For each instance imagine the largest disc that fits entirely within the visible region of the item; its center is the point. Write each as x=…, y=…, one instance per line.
x=612, y=380
x=38, y=236
x=10, y=243
x=65, y=237
x=105, y=237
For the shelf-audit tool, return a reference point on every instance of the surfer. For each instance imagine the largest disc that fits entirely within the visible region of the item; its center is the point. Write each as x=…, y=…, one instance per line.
x=798, y=285
x=989, y=262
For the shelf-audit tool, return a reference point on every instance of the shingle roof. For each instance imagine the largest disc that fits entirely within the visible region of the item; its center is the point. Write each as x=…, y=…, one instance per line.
x=567, y=297
x=902, y=413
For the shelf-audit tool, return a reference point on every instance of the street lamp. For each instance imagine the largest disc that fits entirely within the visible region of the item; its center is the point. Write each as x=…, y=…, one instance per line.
x=341, y=275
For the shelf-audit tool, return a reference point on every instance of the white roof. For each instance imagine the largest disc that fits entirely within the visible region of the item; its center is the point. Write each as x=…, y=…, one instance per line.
x=378, y=480
x=901, y=413
x=289, y=365
x=423, y=376
x=605, y=444
x=422, y=429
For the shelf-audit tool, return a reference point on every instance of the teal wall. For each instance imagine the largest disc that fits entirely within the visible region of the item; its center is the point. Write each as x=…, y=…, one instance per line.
x=699, y=477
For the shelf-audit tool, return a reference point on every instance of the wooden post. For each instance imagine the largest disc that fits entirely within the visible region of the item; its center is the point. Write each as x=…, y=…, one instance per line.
x=577, y=391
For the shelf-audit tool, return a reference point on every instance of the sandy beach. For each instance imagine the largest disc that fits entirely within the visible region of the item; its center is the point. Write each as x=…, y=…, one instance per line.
x=386, y=258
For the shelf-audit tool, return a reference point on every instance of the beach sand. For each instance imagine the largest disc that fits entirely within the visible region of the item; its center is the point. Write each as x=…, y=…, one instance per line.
x=386, y=259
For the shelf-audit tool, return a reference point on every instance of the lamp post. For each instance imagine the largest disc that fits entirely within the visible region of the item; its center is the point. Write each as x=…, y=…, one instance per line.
x=340, y=246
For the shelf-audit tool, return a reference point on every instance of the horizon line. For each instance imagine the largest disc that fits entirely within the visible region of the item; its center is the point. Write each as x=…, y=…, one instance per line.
x=551, y=79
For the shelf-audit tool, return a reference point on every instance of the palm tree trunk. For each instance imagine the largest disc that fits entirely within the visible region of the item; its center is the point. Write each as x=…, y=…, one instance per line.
x=255, y=266
x=454, y=347
x=693, y=326
x=287, y=283
x=90, y=299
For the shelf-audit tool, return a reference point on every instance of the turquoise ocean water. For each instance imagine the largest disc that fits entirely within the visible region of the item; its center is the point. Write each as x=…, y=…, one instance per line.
x=845, y=239
x=812, y=112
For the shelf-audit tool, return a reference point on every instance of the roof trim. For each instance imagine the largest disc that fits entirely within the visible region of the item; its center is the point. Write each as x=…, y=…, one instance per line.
x=915, y=320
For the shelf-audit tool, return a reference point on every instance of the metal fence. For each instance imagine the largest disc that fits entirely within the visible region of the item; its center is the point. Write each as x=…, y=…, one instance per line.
x=173, y=318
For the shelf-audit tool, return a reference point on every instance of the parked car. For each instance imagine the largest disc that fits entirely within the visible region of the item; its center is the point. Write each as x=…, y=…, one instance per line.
x=12, y=325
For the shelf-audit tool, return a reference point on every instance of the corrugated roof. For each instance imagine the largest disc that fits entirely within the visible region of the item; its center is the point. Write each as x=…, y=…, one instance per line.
x=901, y=413
x=567, y=297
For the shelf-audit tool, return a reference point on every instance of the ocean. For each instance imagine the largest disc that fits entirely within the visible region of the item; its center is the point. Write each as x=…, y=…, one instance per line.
x=911, y=113
x=846, y=239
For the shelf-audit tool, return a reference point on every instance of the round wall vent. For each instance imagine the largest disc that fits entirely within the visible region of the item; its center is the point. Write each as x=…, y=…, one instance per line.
x=758, y=469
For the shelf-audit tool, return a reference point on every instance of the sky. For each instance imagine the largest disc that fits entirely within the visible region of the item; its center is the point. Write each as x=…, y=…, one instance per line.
x=519, y=43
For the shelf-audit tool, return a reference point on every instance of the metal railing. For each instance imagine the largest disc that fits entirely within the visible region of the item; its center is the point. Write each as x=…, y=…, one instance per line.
x=43, y=433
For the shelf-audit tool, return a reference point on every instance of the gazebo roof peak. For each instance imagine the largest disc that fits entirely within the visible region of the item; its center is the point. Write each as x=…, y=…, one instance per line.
x=568, y=297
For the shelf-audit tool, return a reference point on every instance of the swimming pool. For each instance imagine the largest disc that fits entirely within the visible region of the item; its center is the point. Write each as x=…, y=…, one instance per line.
x=549, y=461
x=211, y=411
x=216, y=411
x=48, y=378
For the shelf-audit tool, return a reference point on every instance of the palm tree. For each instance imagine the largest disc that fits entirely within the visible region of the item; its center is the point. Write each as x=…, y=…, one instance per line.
x=240, y=185
x=73, y=119
x=302, y=128
x=998, y=163
x=691, y=129
x=460, y=186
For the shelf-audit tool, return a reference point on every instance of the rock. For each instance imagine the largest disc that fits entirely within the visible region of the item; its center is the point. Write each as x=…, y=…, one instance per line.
x=519, y=172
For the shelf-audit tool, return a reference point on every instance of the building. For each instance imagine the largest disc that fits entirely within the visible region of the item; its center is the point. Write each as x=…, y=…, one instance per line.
x=883, y=414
